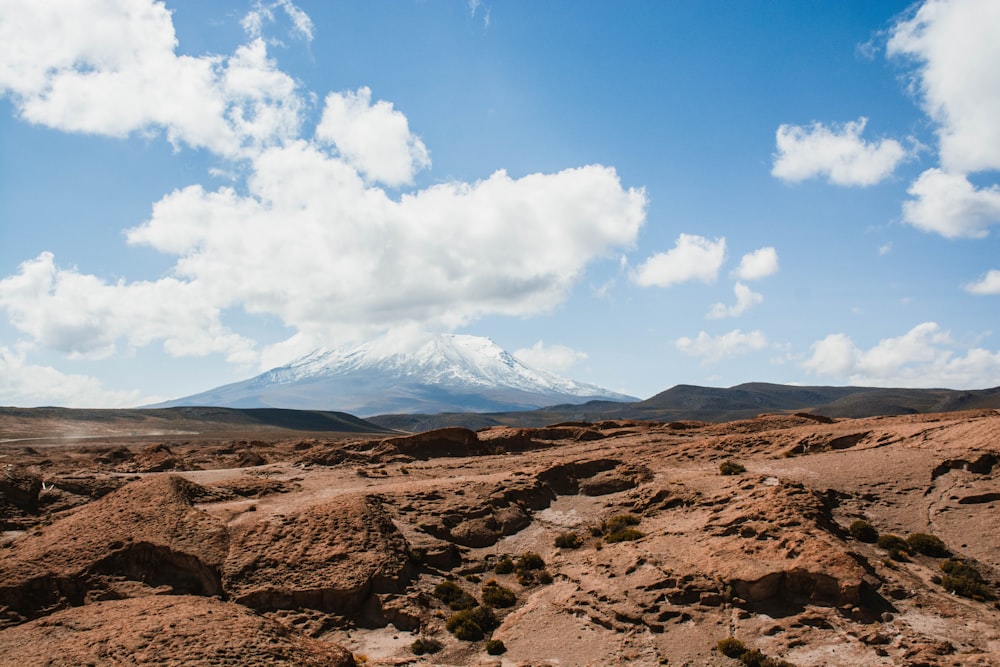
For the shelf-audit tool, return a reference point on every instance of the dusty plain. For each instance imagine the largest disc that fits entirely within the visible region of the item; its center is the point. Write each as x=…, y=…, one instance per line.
x=169, y=544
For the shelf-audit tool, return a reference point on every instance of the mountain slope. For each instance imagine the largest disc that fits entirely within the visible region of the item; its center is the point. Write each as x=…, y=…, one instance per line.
x=716, y=404
x=433, y=373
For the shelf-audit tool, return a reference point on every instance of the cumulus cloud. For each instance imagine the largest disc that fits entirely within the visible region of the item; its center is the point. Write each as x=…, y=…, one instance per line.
x=925, y=356
x=837, y=153
x=111, y=68
x=955, y=46
x=989, y=284
x=32, y=385
x=329, y=252
x=746, y=299
x=757, y=264
x=716, y=348
x=84, y=317
x=312, y=236
x=552, y=358
x=375, y=139
x=949, y=205
x=261, y=14
x=692, y=258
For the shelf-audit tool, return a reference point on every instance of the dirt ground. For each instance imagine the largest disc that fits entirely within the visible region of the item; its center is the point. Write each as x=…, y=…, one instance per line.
x=319, y=549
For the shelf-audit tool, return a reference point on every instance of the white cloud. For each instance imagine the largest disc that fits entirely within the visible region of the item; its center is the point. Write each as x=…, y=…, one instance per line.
x=951, y=206
x=716, y=348
x=838, y=153
x=989, y=284
x=110, y=68
x=758, y=264
x=311, y=238
x=84, y=317
x=885, y=249
x=746, y=299
x=956, y=45
x=375, y=139
x=925, y=356
x=30, y=385
x=552, y=358
x=254, y=21
x=692, y=258
x=332, y=257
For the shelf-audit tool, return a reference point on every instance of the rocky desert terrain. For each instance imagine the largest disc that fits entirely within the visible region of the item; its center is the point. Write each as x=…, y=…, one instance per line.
x=785, y=539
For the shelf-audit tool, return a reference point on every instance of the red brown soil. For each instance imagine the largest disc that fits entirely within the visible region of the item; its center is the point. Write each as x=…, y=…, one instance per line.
x=305, y=550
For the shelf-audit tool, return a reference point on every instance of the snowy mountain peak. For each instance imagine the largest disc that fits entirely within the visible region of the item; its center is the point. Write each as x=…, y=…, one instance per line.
x=426, y=373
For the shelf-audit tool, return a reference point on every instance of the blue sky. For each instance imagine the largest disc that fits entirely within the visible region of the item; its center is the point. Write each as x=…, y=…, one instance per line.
x=633, y=194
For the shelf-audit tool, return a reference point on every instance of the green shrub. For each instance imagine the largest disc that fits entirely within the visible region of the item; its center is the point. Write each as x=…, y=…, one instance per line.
x=892, y=542
x=529, y=560
x=495, y=647
x=531, y=577
x=619, y=529
x=863, y=531
x=928, y=545
x=569, y=541
x=624, y=535
x=452, y=595
x=496, y=595
x=619, y=522
x=962, y=578
x=730, y=467
x=421, y=646
x=753, y=658
x=731, y=647
x=471, y=624
x=504, y=566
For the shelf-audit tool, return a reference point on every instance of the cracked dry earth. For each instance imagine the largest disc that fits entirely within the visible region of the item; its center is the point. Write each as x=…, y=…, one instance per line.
x=330, y=552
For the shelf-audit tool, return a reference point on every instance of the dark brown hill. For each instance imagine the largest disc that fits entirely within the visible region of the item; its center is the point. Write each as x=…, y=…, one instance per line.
x=716, y=404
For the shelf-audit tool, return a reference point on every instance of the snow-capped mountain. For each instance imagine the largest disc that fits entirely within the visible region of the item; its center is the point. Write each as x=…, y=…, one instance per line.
x=429, y=374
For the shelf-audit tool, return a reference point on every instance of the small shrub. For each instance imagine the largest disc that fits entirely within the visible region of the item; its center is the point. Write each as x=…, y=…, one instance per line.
x=899, y=556
x=531, y=577
x=495, y=647
x=624, y=535
x=967, y=588
x=471, y=624
x=619, y=522
x=452, y=595
x=730, y=467
x=504, y=566
x=569, y=541
x=421, y=646
x=529, y=560
x=892, y=543
x=496, y=595
x=928, y=545
x=962, y=578
x=863, y=531
x=731, y=647
x=753, y=658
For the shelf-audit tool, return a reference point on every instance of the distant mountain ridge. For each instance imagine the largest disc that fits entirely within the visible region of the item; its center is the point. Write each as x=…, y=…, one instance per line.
x=715, y=404
x=432, y=373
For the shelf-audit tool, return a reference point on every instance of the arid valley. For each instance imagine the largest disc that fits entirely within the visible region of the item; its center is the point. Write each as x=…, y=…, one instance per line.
x=149, y=541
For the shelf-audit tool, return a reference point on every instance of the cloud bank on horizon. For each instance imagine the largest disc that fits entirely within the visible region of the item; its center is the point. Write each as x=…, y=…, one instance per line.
x=332, y=228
